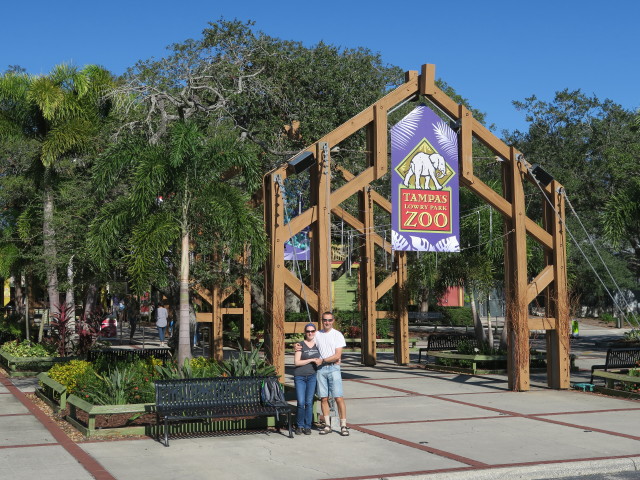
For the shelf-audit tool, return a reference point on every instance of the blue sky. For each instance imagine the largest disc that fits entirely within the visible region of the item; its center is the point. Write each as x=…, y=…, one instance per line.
x=491, y=52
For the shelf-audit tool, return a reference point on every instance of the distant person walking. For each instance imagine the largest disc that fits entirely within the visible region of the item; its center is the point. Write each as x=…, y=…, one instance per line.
x=162, y=317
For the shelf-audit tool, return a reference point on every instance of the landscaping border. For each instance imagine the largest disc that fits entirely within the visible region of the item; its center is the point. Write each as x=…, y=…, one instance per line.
x=34, y=365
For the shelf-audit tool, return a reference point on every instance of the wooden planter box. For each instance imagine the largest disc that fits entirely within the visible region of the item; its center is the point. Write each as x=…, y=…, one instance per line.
x=28, y=366
x=94, y=420
x=611, y=379
x=51, y=392
x=474, y=359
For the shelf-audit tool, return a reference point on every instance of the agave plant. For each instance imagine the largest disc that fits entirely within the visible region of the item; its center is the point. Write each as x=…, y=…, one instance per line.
x=247, y=364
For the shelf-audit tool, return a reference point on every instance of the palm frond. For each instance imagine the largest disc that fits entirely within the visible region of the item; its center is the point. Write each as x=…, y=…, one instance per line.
x=71, y=136
x=150, y=241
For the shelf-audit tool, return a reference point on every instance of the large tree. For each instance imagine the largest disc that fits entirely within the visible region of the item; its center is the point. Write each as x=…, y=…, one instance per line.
x=166, y=196
x=60, y=114
x=592, y=147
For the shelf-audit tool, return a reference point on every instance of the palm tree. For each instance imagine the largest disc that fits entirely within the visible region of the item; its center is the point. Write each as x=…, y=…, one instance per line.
x=61, y=112
x=171, y=195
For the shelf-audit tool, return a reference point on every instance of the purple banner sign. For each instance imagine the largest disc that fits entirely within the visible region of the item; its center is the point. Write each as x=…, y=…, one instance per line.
x=424, y=184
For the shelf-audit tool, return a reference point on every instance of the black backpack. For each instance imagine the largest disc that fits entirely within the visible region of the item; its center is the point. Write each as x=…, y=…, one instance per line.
x=272, y=394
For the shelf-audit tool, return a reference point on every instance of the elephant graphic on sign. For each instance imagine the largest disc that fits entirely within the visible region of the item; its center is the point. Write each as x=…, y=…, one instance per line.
x=426, y=165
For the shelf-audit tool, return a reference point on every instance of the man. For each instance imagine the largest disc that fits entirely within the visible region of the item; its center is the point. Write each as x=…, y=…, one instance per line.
x=330, y=343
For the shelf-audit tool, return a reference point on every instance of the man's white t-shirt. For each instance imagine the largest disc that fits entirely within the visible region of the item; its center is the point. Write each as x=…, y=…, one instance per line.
x=327, y=342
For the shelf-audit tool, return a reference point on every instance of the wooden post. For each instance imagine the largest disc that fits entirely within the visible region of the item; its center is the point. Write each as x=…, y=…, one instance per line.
x=517, y=306
x=216, y=349
x=246, y=304
x=558, y=364
x=367, y=280
x=321, y=228
x=274, y=278
x=401, y=320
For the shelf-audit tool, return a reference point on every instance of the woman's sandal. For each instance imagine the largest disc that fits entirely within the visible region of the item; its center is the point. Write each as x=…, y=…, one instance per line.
x=325, y=430
x=344, y=431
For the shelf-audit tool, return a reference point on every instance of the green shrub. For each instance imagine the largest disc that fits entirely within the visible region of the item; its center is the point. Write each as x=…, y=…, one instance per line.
x=10, y=328
x=457, y=316
x=632, y=335
x=608, y=318
x=383, y=327
x=69, y=373
x=27, y=348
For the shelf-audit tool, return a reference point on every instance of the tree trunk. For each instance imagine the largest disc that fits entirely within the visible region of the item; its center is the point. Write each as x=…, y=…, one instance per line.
x=19, y=297
x=184, y=341
x=50, y=252
x=477, y=322
x=70, y=300
x=90, y=299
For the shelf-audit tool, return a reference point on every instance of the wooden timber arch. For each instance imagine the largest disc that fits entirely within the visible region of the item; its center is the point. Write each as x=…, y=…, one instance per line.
x=325, y=201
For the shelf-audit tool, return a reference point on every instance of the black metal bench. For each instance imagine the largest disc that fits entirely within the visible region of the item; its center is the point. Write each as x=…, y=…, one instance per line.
x=113, y=355
x=221, y=397
x=618, y=358
x=438, y=342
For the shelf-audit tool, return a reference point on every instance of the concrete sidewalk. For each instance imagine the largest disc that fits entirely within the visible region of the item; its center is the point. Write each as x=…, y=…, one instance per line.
x=405, y=422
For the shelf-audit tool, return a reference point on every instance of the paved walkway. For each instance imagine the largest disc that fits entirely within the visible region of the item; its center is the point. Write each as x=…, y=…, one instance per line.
x=405, y=422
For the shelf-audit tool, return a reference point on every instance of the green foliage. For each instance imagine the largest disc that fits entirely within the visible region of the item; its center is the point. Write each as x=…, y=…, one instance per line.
x=632, y=335
x=10, y=328
x=69, y=373
x=113, y=388
x=456, y=316
x=27, y=348
x=608, y=318
x=247, y=364
x=591, y=146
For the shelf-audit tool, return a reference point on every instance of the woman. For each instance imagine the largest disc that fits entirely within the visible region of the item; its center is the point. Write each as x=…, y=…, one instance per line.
x=161, y=323
x=306, y=361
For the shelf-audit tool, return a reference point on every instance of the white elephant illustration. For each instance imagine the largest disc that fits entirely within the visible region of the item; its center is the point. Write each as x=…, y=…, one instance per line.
x=425, y=165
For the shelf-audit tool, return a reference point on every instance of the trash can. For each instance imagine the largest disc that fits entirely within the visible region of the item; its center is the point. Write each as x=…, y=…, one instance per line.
x=575, y=328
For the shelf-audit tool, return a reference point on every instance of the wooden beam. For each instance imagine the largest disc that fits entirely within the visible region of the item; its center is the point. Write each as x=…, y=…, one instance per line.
x=354, y=186
x=300, y=290
x=485, y=136
x=381, y=149
x=321, y=228
x=377, y=198
x=466, y=145
x=541, y=323
x=538, y=284
x=358, y=225
x=386, y=285
x=503, y=206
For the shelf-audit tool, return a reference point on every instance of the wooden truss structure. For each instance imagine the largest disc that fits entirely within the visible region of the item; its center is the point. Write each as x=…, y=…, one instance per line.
x=326, y=201
x=216, y=297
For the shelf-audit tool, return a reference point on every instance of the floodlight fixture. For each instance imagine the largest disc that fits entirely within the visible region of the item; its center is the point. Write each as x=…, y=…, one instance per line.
x=543, y=177
x=301, y=162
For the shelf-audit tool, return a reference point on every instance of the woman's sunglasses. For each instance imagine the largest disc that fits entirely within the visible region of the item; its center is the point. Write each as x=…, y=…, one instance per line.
x=309, y=331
